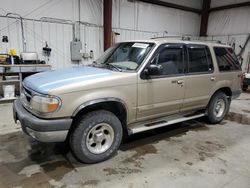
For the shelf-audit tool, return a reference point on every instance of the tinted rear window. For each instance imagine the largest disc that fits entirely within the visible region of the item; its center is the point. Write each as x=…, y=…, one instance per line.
x=226, y=59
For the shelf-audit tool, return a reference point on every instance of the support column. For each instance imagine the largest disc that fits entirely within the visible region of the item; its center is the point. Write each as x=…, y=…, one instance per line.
x=204, y=17
x=107, y=23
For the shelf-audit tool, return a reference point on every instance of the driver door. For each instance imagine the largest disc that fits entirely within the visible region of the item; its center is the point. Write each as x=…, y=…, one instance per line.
x=162, y=93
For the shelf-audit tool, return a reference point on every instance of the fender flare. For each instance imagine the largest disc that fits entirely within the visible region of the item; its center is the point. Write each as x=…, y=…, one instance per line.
x=96, y=101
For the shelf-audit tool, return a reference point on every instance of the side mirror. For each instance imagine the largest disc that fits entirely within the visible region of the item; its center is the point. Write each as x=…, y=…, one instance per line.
x=153, y=70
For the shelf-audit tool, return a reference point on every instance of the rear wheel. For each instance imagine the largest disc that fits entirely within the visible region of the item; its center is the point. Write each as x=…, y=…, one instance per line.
x=96, y=136
x=218, y=107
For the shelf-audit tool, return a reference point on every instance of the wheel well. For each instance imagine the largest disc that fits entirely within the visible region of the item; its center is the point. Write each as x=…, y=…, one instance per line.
x=117, y=108
x=225, y=90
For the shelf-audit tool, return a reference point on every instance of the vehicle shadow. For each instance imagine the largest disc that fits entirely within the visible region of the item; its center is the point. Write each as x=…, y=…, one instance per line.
x=42, y=152
x=28, y=151
x=163, y=133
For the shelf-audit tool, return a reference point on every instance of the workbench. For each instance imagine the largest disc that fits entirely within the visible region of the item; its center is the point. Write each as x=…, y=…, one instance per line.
x=14, y=75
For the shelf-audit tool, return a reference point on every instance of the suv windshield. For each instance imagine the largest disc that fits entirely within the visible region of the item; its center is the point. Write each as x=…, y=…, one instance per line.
x=125, y=56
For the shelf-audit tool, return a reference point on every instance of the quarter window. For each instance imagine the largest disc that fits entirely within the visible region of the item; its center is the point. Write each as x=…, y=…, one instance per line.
x=199, y=59
x=226, y=59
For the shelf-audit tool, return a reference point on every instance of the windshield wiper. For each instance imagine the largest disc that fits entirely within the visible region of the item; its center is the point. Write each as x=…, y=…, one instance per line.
x=113, y=66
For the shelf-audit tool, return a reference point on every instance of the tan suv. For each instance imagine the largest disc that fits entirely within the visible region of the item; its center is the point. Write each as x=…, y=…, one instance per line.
x=133, y=87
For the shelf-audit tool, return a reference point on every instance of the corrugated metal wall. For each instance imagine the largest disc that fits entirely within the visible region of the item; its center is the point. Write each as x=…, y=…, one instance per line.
x=230, y=25
x=36, y=34
x=92, y=39
x=216, y=3
x=127, y=34
x=58, y=35
x=133, y=20
x=152, y=18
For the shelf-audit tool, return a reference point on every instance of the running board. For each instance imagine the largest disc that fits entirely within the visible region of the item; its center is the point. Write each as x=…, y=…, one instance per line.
x=161, y=123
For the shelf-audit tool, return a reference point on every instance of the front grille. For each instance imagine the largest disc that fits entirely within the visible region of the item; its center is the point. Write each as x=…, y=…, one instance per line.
x=27, y=94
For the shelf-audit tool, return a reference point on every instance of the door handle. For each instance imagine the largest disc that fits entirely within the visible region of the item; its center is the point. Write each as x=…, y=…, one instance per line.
x=212, y=78
x=179, y=81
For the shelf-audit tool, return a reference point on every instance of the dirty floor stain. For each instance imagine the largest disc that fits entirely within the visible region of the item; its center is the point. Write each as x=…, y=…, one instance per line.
x=27, y=163
x=246, y=111
x=206, y=149
x=239, y=118
x=91, y=182
x=189, y=163
x=140, y=152
x=32, y=164
x=110, y=171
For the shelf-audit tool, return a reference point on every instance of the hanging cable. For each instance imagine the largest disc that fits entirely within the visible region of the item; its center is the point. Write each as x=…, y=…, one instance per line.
x=35, y=9
x=22, y=30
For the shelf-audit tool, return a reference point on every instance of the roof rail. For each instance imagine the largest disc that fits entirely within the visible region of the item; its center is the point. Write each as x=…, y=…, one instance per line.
x=212, y=41
x=197, y=38
x=188, y=38
x=166, y=37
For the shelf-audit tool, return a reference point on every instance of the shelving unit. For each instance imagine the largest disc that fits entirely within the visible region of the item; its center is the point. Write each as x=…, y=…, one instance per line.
x=18, y=72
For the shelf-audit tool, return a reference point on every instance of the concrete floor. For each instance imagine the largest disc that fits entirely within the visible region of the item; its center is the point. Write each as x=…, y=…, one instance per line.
x=190, y=154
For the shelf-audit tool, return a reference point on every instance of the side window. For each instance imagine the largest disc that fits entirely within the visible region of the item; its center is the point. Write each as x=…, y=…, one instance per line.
x=171, y=59
x=226, y=59
x=199, y=59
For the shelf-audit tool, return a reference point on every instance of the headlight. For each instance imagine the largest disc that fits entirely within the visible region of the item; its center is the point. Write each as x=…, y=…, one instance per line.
x=44, y=104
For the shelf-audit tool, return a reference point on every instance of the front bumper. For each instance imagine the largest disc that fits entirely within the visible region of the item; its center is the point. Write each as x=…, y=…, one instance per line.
x=44, y=130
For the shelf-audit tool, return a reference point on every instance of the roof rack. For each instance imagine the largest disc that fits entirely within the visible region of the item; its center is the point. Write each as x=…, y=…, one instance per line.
x=163, y=37
x=188, y=38
x=197, y=38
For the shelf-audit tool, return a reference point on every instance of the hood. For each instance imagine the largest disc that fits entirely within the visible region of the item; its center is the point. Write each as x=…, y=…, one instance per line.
x=46, y=81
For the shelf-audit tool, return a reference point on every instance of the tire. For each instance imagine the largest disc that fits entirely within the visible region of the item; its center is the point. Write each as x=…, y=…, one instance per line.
x=218, y=107
x=244, y=87
x=96, y=136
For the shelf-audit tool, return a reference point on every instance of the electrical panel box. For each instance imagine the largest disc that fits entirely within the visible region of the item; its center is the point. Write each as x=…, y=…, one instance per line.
x=75, y=50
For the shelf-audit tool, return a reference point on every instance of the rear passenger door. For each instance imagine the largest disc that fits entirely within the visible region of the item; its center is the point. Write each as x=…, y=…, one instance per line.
x=199, y=77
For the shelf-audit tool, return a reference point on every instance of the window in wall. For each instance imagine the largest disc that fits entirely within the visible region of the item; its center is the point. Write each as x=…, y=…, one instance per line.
x=198, y=60
x=226, y=59
x=171, y=59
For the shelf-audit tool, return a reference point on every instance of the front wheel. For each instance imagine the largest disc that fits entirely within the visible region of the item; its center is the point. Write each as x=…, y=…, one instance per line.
x=218, y=107
x=96, y=137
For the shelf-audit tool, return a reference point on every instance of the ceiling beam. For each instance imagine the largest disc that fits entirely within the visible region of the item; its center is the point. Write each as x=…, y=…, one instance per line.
x=172, y=5
x=237, y=5
x=204, y=17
